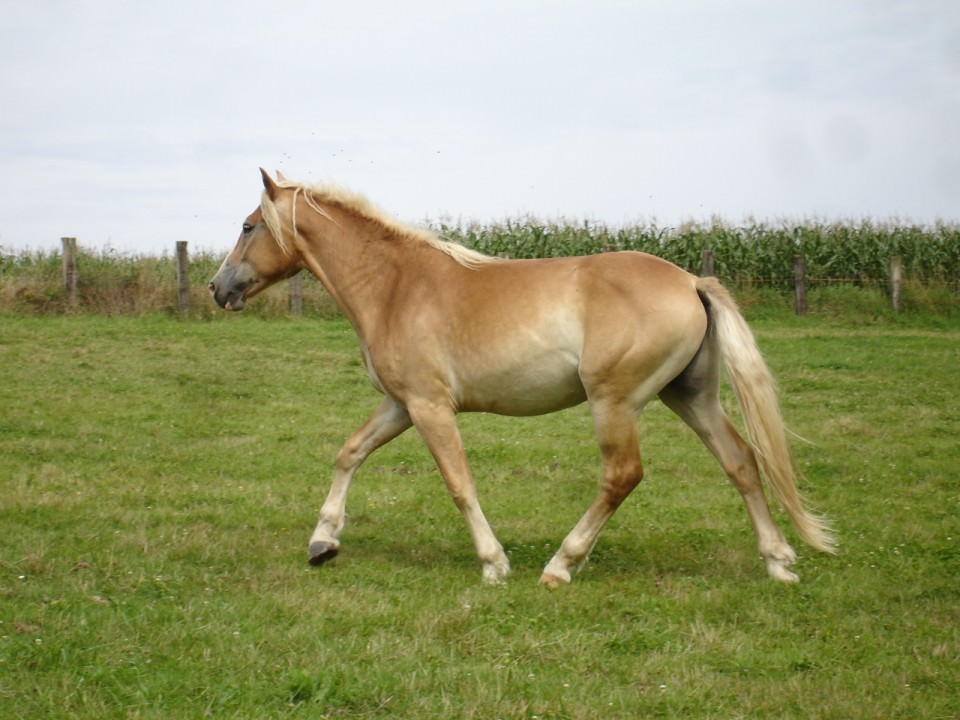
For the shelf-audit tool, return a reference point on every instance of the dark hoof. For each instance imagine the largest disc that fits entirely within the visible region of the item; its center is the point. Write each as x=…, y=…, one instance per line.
x=320, y=552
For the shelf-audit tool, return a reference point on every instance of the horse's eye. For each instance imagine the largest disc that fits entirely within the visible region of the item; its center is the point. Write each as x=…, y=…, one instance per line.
x=247, y=228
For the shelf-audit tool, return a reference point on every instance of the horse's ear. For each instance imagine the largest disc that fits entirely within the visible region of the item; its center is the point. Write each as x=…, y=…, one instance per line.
x=281, y=177
x=269, y=185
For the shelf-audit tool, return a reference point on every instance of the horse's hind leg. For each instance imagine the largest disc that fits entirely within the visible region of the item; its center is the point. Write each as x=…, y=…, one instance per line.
x=387, y=421
x=622, y=471
x=700, y=408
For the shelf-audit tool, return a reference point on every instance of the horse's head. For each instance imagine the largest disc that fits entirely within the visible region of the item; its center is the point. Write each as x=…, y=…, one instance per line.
x=259, y=259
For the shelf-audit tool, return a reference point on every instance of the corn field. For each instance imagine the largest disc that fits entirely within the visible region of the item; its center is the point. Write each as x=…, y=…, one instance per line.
x=749, y=257
x=759, y=253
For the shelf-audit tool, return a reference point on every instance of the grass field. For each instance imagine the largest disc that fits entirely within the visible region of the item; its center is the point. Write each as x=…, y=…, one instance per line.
x=159, y=480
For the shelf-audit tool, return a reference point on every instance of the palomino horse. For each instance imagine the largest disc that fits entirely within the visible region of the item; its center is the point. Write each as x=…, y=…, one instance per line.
x=444, y=329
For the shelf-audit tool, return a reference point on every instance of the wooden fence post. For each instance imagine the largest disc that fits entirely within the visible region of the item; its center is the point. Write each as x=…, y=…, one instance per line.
x=295, y=290
x=183, y=278
x=70, y=269
x=706, y=269
x=896, y=279
x=799, y=285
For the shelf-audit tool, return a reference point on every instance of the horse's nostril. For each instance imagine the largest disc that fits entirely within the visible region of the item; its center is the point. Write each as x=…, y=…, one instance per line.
x=211, y=287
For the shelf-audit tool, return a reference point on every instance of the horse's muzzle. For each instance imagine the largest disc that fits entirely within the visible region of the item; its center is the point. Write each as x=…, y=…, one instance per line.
x=227, y=299
x=228, y=291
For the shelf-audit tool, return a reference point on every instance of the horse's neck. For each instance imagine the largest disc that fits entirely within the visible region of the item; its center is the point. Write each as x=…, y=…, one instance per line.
x=360, y=263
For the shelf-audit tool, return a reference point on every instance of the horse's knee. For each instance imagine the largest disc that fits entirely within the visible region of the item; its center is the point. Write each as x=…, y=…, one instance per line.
x=344, y=458
x=460, y=499
x=349, y=456
x=620, y=481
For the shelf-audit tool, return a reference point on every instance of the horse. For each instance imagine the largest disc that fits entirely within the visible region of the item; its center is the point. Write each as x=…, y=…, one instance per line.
x=444, y=329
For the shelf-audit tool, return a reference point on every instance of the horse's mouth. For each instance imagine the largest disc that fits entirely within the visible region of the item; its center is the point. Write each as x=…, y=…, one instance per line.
x=235, y=297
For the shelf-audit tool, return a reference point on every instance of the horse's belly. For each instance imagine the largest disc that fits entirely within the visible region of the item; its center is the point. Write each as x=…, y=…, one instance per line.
x=533, y=389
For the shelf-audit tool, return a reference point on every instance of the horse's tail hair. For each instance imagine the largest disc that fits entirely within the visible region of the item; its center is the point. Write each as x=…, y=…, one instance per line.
x=756, y=392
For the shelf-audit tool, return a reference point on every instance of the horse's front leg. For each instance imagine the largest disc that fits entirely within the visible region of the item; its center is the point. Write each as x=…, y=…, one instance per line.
x=387, y=421
x=438, y=427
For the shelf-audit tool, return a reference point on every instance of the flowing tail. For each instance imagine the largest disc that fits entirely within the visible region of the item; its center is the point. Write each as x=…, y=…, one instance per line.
x=756, y=391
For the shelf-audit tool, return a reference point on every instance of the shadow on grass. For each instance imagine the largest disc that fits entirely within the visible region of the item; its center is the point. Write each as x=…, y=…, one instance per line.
x=656, y=554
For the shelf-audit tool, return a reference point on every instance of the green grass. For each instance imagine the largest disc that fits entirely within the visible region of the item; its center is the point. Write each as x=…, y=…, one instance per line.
x=159, y=480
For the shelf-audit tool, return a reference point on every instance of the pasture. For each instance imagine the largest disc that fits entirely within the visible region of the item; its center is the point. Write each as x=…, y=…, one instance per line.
x=159, y=480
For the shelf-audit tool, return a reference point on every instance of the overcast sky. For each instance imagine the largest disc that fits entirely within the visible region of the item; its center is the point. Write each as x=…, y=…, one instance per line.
x=132, y=125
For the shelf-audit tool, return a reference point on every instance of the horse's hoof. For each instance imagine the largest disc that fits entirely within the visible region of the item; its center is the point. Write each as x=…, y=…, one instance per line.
x=778, y=571
x=552, y=582
x=320, y=552
x=785, y=576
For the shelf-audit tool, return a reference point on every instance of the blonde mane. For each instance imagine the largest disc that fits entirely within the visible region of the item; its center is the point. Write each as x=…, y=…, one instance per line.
x=316, y=196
